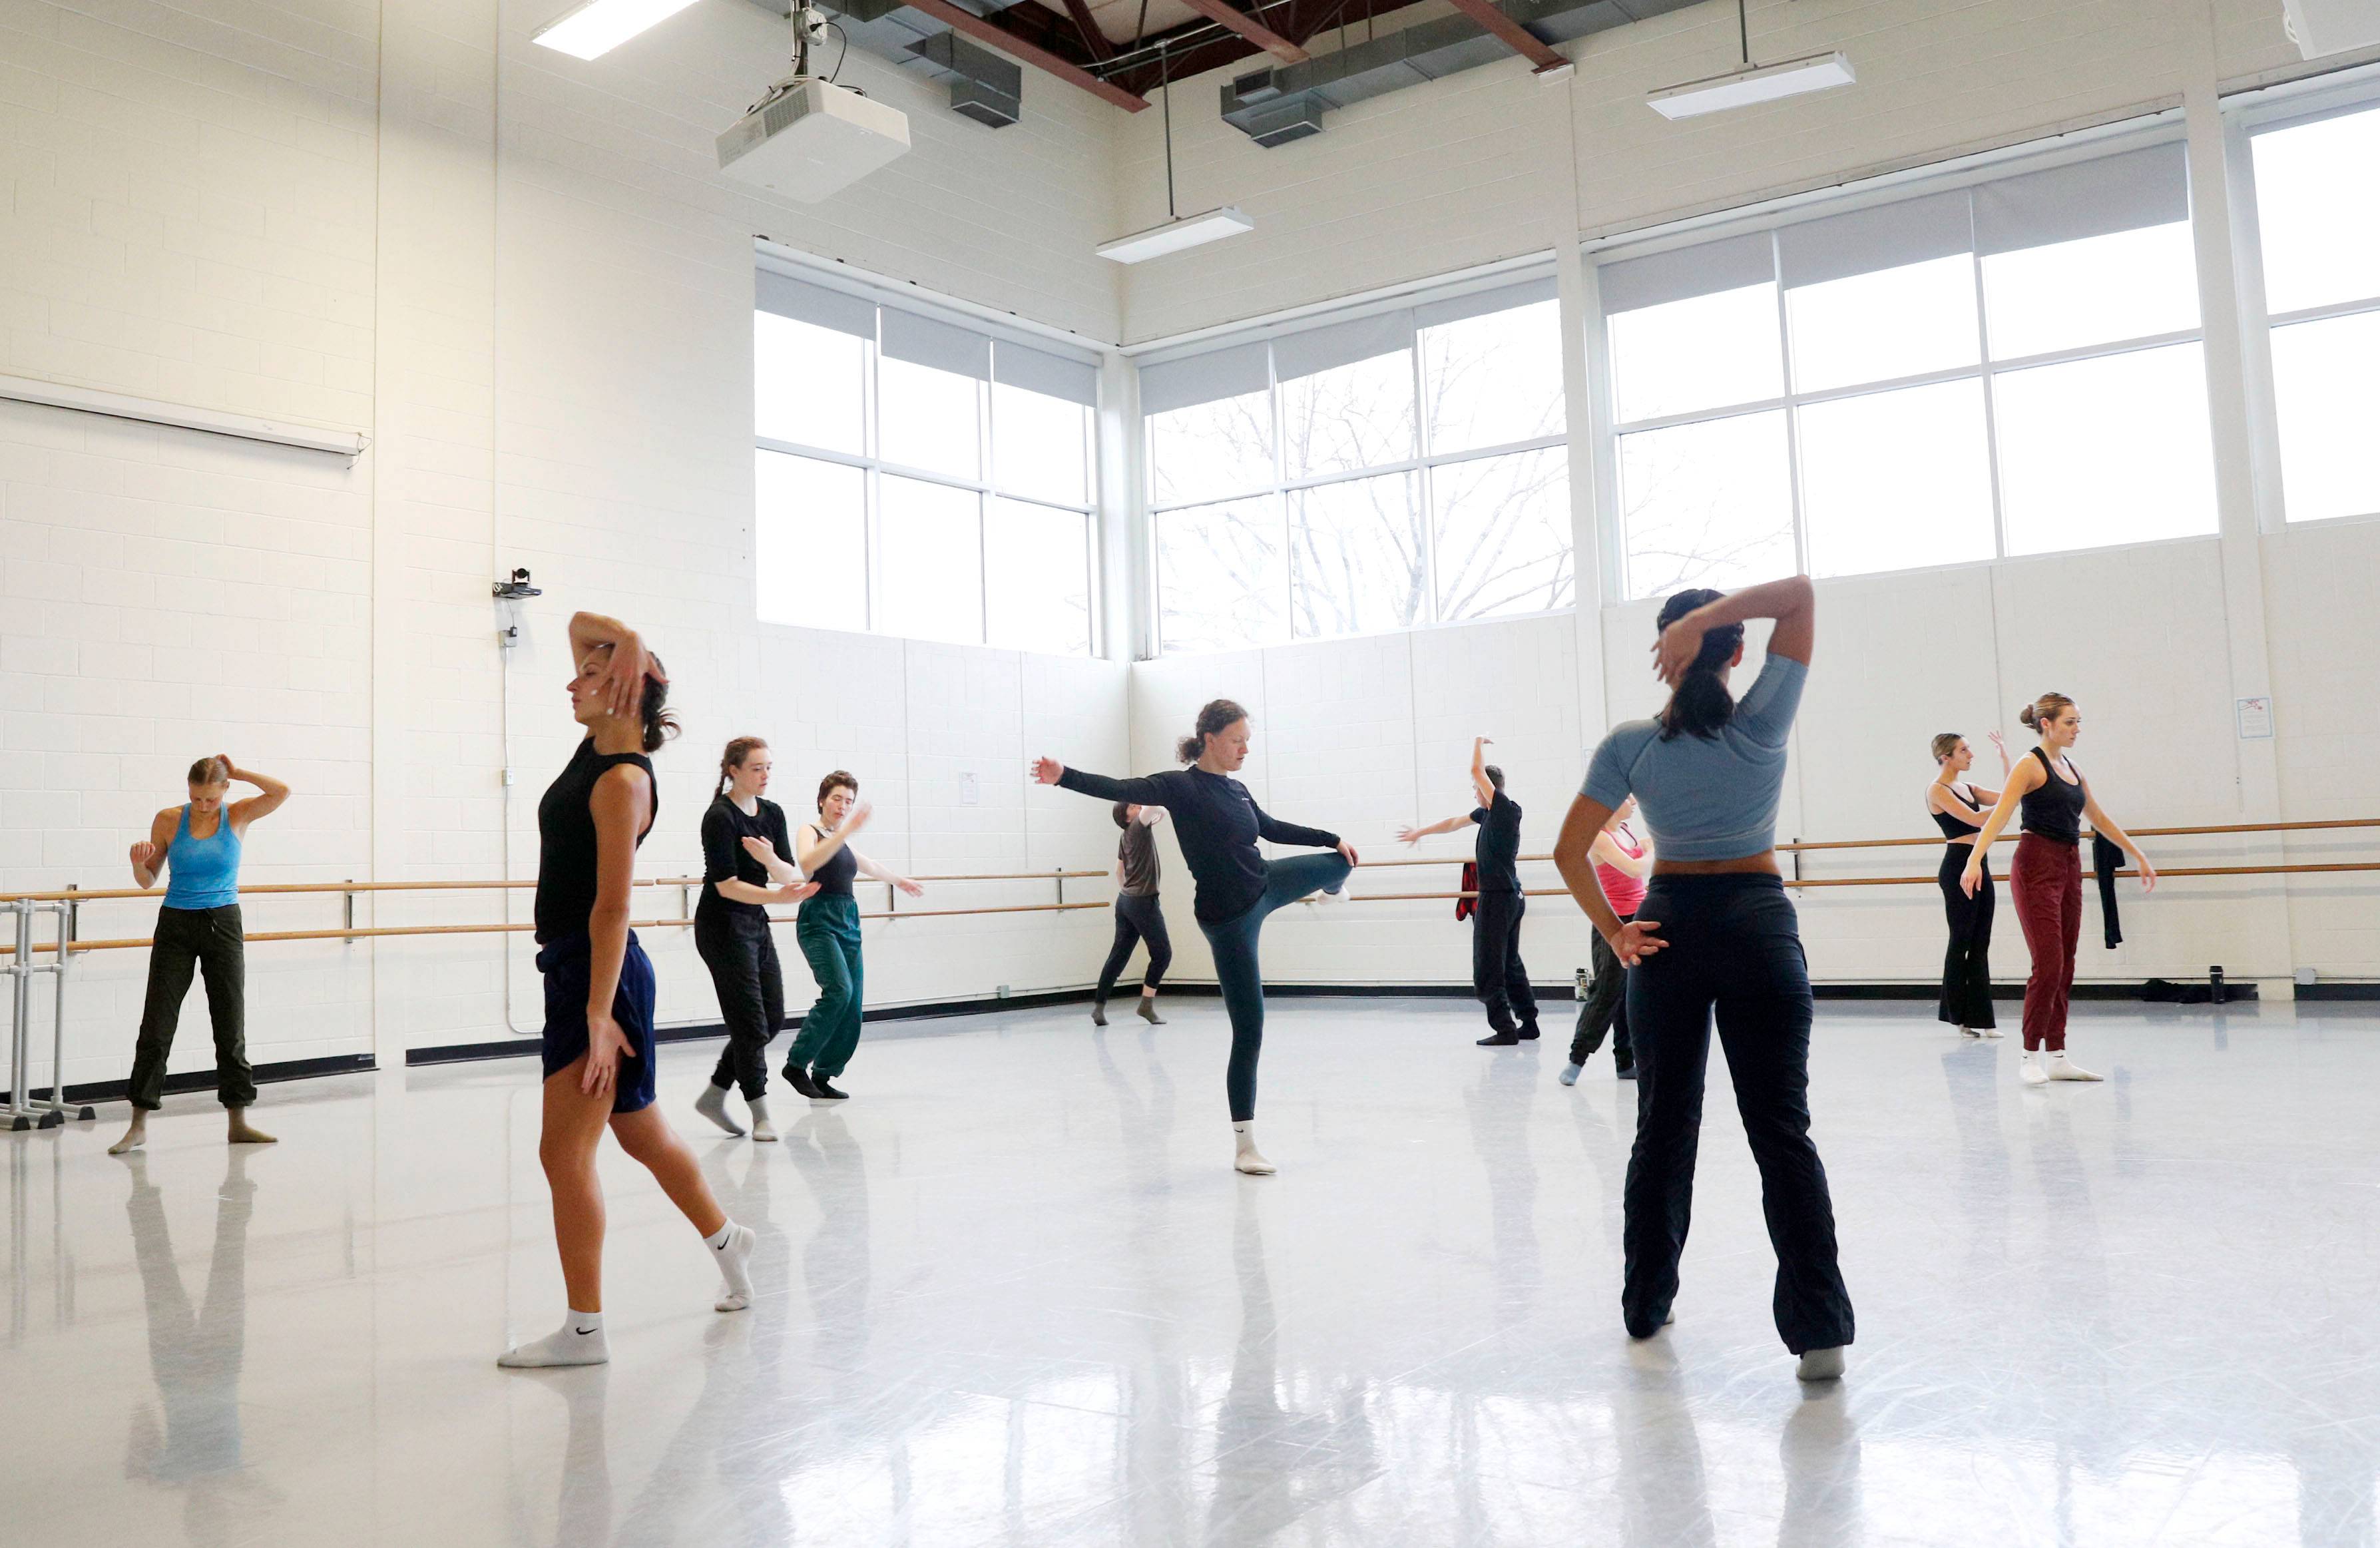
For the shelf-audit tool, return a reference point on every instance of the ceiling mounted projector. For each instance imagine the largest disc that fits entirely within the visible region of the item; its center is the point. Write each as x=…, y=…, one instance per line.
x=812, y=139
x=2324, y=27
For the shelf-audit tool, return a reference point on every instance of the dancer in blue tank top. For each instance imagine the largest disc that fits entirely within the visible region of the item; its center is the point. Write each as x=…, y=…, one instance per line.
x=199, y=929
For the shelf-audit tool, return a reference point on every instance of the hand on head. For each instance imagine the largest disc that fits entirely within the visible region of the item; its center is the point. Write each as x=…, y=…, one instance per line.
x=625, y=675
x=1675, y=648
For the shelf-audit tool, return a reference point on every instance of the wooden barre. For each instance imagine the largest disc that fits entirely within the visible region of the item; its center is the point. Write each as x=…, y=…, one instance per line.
x=104, y=895
x=1895, y=881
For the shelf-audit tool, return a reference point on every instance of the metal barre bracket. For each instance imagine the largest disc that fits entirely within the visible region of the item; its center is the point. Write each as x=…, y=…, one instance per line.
x=20, y=1114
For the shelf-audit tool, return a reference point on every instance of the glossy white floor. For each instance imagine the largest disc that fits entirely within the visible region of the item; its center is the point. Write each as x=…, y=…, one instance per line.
x=1012, y=1293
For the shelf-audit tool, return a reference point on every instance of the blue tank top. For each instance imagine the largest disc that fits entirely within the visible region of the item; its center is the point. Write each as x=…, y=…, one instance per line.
x=203, y=872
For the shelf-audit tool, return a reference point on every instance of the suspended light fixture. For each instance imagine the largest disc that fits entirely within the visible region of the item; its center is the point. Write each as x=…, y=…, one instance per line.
x=1749, y=83
x=1179, y=231
x=593, y=29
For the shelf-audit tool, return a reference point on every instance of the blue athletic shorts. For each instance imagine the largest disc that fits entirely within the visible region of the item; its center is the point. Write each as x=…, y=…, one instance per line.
x=568, y=964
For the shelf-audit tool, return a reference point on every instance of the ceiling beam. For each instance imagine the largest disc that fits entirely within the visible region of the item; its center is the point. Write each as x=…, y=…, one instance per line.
x=1511, y=34
x=969, y=24
x=1093, y=39
x=1224, y=14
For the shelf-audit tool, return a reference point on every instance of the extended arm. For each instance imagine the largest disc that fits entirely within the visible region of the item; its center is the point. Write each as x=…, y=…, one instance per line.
x=2105, y=826
x=623, y=797
x=1444, y=825
x=243, y=813
x=874, y=872
x=1572, y=857
x=1480, y=784
x=1148, y=790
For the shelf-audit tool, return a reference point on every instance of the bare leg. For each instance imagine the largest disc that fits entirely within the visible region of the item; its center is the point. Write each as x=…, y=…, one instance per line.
x=648, y=1138
x=574, y=1127
x=244, y=1133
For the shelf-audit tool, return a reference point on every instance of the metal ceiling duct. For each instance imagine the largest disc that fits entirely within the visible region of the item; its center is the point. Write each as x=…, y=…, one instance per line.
x=984, y=86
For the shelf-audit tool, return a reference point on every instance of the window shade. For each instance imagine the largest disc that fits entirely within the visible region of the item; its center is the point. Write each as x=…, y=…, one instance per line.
x=815, y=304
x=1207, y=378
x=1038, y=371
x=2122, y=192
x=1480, y=304
x=1319, y=350
x=923, y=341
x=1864, y=241
x=1636, y=283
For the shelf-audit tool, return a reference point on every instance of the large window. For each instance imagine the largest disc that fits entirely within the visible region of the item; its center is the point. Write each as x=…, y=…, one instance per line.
x=918, y=477
x=2011, y=368
x=1395, y=471
x=2319, y=226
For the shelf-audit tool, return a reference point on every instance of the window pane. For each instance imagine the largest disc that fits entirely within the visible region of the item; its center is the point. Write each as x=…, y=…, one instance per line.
x=927, y=419
x=1705, y=352
x=1503, y=534
x=1896, y=481
x=2326, y=378
x=809, y=385
x=1037, y=564
x=1210, y=449
x=2315, y=206
x=2106, y=451
x=1040, y=446
x=930, y=577
x=1493, y=379
x=1355, y=558
x=1890, y=323
x=2068, y=295
x=809, y=541
x=1707, y=504
x=1222, y=576
x=1350, y=417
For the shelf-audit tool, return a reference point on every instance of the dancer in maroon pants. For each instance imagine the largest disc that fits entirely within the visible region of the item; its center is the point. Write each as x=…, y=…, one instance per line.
x=2047, y=877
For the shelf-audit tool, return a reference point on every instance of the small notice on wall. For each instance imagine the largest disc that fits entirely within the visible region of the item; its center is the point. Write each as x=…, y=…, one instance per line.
x=2255, y=719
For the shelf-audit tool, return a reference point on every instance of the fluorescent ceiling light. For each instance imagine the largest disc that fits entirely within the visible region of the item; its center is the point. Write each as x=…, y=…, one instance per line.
x=599, y=26
x=1743, y=88
x=1190, y=231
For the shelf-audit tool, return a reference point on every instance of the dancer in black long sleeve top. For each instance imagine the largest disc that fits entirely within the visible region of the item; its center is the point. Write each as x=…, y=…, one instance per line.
x=1219, y=823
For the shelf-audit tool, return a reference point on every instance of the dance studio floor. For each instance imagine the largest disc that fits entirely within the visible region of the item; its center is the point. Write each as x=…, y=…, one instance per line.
x=1012, y=1293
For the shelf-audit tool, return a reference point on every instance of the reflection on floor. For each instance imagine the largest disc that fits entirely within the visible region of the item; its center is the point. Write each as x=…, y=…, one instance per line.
x=1014, y=1294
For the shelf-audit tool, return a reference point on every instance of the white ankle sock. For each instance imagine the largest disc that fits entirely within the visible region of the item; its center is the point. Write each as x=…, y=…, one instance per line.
x=1821, y=1365
x=762, y=1129
x=579, y=1341
x=1244, y=1139
x=2030, y=1071
x=2061, y=1068
x=732, y=1248
x=712, y=1105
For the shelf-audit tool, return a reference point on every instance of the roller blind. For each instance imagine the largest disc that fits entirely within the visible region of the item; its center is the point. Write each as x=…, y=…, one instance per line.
x=1207, y=378
x=1729, y=265
x=1480, y=304
x=815, y=304
x=2093, y=198
x=1038, y=371
x=1316, y=350
x=943, y=346
x=1864, y=241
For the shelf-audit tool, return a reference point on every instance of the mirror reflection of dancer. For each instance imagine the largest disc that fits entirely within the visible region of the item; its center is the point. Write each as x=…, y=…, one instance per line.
x=1959, y=810
x=598, y=1050
x=199, y=928
x=828, y=929
x=732, y=933
x=1498, y=975
x=1717, y=932
x=1138, y=916
x=1621, y=862
x=1219, y=823
x=2047, y=877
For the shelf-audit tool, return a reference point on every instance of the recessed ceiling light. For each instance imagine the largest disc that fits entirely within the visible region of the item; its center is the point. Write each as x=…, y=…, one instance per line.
x=599, y=26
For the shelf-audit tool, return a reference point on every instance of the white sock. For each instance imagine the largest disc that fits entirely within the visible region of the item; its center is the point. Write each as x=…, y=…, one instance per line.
x=1821, y=1365
x=732, y=1248
x=2061, y=1068
x=2030, y=1071
x=762, y=1129
x=712, y=1105
x=579, y=1341
x=1243, y=1138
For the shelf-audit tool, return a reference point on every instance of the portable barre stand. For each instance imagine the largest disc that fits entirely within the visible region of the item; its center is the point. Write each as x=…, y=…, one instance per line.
x=22, y=1113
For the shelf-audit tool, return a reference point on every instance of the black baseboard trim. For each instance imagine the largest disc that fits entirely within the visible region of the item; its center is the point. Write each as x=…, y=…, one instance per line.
x=2339, y=991
x=204, y=1079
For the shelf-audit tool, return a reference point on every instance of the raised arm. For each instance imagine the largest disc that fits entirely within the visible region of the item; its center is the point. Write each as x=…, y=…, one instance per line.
x=1444, y=825
x=630, y=664
x=149, y=855
x=2105, y=826
x=243, y=813
x=1790, y=602
x=1480, y=784
x=1999, y=745
x=1572, y=857
x=1146, y=790
x=2023, y=782
x=621, y=804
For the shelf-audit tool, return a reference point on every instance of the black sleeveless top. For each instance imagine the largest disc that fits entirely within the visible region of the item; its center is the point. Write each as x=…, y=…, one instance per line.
x=835, y=877
x=1952, y=827
x=2055, y=811
x=565, y=840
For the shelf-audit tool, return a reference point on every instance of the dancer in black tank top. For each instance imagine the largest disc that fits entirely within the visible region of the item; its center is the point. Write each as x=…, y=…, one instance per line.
x=2047, y=877
x=598, y=1047
x=1959, y=810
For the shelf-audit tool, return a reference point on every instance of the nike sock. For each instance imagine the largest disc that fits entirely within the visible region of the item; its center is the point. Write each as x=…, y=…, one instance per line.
x=731, y=1247
x=579, y=1341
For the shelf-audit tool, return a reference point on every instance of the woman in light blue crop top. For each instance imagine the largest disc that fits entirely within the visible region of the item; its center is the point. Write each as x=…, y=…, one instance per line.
x=199, y=930
x=1715, y=935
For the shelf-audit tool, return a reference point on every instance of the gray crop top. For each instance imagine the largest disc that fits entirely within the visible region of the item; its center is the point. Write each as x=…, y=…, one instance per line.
x=1707, y=798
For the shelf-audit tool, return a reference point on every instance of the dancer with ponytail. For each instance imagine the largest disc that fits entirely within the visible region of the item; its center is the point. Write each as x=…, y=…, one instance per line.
x=598, y=1052
x=1716, y=934
x=2053, y=798
x=1219, y=823
x=1966, y=1000
x=731, y=930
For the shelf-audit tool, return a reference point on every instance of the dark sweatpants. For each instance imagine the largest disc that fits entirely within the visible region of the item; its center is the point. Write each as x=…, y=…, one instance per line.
x=1733, y=948
x=1606, y=1009
x=209, y=941
x=742, y=955
x=1498, y=975
x=1967, y=965
x=1138, y=919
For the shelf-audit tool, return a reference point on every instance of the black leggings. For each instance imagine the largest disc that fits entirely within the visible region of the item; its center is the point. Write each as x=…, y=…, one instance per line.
x=1138, y=919
x=1967, y=967
x=1237, y=974
x=1733, y=948
x=742, y=957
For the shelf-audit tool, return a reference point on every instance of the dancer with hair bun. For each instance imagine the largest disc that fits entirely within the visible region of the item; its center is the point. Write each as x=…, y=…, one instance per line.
x=1966, y=1000
x=1219, y=823
x=598, y=1049
x=732, y=932
x=1716, y=934
x=2053, y=799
